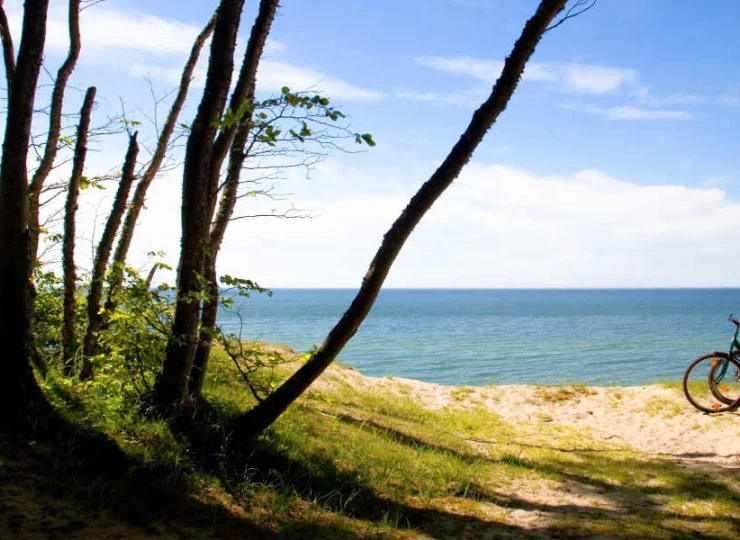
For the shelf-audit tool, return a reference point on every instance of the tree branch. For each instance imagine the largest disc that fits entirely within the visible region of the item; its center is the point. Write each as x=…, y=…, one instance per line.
x=8, y=50
x=581, y=6
x=55, y=122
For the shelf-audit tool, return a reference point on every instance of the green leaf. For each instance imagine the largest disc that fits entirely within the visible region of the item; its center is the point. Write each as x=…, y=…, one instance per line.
x=368, y=139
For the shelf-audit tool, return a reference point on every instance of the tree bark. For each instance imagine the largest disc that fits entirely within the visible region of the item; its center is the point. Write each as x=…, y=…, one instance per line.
x=245, y=84
x=69, y=271
x=95, y=294
x=55, y=126
x=209, y=312
x=139, y=198
x=8, y=50
x=233, y=138
x=170, y=389
x=265, y=413
x=22, y=404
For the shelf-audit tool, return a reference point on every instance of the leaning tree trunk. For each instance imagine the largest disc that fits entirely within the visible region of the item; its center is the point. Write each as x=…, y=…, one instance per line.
x=265, y=413
x=170, y=389
x=22, y=405
x=147, y=177
x=95, y=293
x=55, y=127
x=232, y=140
x=69, y=272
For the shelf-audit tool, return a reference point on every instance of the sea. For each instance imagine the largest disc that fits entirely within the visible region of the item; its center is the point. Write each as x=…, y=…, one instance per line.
x=504, y=336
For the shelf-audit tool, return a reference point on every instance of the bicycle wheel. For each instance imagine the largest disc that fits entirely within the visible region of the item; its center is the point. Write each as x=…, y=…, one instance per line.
x=711, y=383
x=726, y=379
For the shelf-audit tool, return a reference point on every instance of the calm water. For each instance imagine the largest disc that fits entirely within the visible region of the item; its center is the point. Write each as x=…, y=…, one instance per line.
x=479, y=337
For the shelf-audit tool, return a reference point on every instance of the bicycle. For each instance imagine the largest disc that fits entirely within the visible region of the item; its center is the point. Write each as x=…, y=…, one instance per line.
x=712, y=382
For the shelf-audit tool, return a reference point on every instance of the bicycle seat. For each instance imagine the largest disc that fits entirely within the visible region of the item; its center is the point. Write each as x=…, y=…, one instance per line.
x=734, y=321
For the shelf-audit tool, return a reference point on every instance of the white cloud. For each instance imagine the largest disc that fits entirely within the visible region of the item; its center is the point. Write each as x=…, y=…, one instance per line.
x=155, y=46
x=484, y=70
x=628, y=112
x=495, y=227
x=273, y=75
x=274, y=47
x=503, y=227
x=730, y=98
x=645, y=96
x=595, y=79
x=571, y=77
x=105, y=29
x=467, y=98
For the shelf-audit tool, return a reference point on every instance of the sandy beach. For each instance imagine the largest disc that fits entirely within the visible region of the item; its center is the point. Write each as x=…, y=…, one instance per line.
x=655, y=419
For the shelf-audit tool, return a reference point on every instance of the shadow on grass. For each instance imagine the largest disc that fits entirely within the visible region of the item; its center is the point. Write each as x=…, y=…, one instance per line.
x=81, y=483
x=91, y=472
x=592, y=503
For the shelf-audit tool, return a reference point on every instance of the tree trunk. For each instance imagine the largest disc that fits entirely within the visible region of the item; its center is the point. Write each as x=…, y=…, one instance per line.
x=234, y=137
x=69, y=272
x=209, y=313
x=55, y=126
x=170, y=389
x=22, y=405
x=265, y=413
x=94, y=295
x=139, y=198
x=208, y=317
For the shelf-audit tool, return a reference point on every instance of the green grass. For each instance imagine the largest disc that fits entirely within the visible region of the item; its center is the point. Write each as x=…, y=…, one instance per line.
x=345, y=462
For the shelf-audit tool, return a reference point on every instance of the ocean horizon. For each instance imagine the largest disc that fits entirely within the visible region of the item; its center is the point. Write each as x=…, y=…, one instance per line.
x=480, y=336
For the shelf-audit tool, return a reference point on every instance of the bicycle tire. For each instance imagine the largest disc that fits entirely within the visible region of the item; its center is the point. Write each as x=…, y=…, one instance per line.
x=730, y=380
x=708, y=397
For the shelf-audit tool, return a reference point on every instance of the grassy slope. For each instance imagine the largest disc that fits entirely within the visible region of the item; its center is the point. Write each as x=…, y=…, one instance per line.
x=347, y=463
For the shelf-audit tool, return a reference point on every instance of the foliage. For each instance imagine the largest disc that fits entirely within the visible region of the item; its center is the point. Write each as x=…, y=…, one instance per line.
x=131, y=342
x=293, y=117
x=137, y=332
x=47, y=313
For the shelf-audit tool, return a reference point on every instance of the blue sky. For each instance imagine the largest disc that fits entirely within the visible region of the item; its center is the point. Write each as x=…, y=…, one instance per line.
x=615, y=165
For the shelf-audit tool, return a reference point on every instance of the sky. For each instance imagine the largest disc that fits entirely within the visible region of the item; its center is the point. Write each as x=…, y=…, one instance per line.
x=614, y=165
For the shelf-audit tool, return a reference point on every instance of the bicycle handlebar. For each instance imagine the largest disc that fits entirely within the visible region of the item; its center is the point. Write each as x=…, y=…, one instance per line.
x=733, y=320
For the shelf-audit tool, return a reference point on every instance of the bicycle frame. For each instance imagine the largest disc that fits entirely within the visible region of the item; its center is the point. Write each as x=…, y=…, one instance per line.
x=734, y=348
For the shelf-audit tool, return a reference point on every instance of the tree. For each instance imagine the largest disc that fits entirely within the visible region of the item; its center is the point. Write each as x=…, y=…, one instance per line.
x=287, y=131
x=55, y=126
x=69, y=337
x=266, y=412
x=21, y=402
x=206, y=149
x=139, y=198
x=95, y=291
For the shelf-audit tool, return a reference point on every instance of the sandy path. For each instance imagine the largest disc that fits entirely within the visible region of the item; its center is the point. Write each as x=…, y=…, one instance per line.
x=652, y=419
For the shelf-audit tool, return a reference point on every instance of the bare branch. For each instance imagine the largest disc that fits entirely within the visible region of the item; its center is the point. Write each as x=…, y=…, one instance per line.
x=291, y=213
x=55, y=121
x=580, y=6
x=8, y=50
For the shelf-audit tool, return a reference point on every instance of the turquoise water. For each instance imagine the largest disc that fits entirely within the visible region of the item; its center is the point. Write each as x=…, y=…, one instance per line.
x=478, y=337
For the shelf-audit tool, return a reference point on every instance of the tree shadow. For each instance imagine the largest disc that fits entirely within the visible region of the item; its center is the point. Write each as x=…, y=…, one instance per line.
x=75, y=482
x=90, y=469
x=622, y=510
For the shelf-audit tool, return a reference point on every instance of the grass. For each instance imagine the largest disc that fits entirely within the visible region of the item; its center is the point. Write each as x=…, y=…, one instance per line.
x=562, y=394
x=345, y=462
